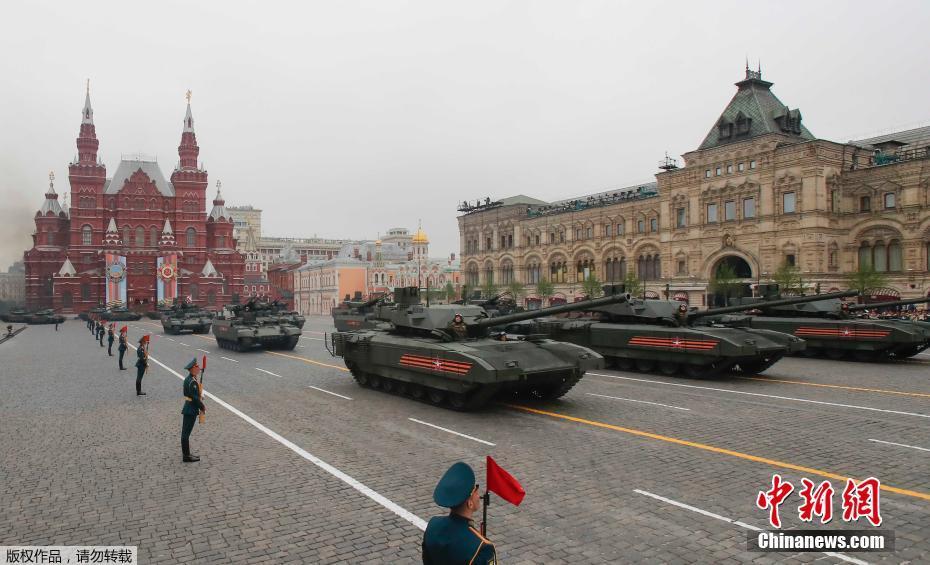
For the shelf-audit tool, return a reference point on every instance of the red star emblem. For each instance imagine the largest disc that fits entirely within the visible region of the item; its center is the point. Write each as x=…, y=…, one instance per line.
x=676, y=342
x=846, y=331
x=437, y=363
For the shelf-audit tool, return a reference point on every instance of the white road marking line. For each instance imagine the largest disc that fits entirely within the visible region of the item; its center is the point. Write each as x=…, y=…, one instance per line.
x=640, y=401
x=300, y=346
x=228, y=359
x=184, y=344
x=743, y=525
x=204, y=350
x=900, y=444
x=398, y=510
x=269, y=372
x=328, y=392
x=451, y=431
x=171, y=338
x=856, y=407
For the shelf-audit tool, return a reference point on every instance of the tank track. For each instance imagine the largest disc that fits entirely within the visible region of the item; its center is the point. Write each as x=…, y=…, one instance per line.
x=667, y=369
x=462, y=402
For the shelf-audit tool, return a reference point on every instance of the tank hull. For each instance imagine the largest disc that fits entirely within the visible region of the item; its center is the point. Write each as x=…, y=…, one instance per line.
x=682, y=351
x=120, y=316
x=245, y=337
x=184, y=325
x=467, y=374
x=857, y=339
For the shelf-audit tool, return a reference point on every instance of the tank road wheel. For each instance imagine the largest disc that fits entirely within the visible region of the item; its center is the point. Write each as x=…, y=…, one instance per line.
x=909, y=352
x=401, y=388
x=645, y=365
x=624, y=363
x=361, y=377
x=756, y=366
x=668, y=368
x=388, y=385
x=458, y=401
x=835, y=354
x=416, y=392
x=375, y=381
x=704, y=371
x=436, y=396
x=810, y=352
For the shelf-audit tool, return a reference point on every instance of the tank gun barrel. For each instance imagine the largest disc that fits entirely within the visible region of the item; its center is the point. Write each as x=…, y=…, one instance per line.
x=550, y=311
x=772, y=303
x=860, y=307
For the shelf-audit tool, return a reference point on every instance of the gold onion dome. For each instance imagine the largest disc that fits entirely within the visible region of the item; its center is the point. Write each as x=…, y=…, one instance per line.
x=420, y=236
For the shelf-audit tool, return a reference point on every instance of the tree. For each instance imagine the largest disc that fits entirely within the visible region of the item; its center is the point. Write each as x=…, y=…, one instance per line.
x=632, y=285
x=449, y=291
x=592, y=287
x=516, y=291
x=545, y=289
x=724, y=281
x=489, y=290
x=789, y=280
x=865, y=279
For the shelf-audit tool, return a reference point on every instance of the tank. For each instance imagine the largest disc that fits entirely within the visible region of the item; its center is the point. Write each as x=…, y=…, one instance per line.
x=255, y=324
x=93, y=313
x=16, y=316
x=159, y=311
x=289, y=316
x=119, y=314
x=831, y=329
x=418, y=351
x=665, y=336
x=183, y=317
x=47, y=316
x=356, y=314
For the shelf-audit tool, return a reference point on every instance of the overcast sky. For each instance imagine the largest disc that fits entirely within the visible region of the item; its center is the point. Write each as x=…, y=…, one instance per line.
x=342, y=119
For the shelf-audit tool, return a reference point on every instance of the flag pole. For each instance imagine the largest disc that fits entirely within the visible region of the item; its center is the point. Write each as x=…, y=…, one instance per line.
x=486, y=500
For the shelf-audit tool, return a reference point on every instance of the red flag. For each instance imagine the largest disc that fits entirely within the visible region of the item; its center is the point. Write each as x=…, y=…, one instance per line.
x=203, y=363
x=502, y=483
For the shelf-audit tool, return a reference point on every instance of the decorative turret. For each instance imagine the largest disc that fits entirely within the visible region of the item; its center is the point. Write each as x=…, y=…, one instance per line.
x=87, y=142
x=209, y=270
x=111, y=238
x=188, y=150
x=51, y=205
x=167, y=236
x=219, y=212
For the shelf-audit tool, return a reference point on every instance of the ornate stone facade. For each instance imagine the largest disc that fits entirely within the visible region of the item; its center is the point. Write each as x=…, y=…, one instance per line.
x=760, y=191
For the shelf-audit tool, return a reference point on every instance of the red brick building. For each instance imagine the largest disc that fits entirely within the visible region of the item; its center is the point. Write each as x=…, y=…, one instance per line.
x=281, y=282
x=135, y=237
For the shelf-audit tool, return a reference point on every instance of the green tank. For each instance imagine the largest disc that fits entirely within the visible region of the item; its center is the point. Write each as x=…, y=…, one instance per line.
x=831, y=329
x=186, y=318
x=93, y=313
x=255, y=324
x=356, y=314
x=119, y=314
x=20, y=316
x=423, y=352
x=664, y=336
x=288, y=316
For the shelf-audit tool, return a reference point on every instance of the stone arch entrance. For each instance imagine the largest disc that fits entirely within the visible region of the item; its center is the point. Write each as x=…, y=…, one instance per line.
x=739, y=265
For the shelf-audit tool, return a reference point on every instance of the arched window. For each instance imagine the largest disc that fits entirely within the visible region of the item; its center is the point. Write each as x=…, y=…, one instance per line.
x=471, y=276
x=865, y=255
x=656, y=267
x=127, y=235
x=67, y=300
x=140, y=203
x=191, y=237
x=87, y=235
x=533, y=273
x=880, y=257
x=614, y=269
x=153, y=236
x=621, y=227
x=506, y=272
x=557, y=271
x=895, y=262
x=488, y=273
x=140, y=236
x=211, y=297
x=584, y=270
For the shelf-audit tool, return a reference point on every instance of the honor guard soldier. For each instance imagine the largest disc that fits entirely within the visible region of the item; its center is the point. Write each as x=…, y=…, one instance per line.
x=110, y=338
x=101, y=331
x=122, y=346
x=142, y=362
x=193, y=405
x=452, y=539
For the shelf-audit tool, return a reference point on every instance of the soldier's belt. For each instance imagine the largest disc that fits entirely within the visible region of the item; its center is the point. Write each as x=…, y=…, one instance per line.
x=188, y=398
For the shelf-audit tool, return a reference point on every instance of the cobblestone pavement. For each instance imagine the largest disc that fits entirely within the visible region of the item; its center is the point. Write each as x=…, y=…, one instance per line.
x=85, y=461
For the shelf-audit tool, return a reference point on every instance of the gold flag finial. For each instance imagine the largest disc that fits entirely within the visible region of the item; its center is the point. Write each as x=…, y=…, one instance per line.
x=188, y=96
x=51, y=176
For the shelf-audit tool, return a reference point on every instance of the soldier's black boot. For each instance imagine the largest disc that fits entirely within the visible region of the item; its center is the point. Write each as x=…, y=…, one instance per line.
x=186, y=451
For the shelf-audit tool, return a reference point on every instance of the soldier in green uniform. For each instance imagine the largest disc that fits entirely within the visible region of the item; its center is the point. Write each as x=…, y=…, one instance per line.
x=193, y=405
x=101, y=331
x=110, y=338
x=122, y=347
x=142, y=363
x=453, y=539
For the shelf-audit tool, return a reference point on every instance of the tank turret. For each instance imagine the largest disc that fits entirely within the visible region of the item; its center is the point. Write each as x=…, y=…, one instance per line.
x=256, y=323
x=891, y=304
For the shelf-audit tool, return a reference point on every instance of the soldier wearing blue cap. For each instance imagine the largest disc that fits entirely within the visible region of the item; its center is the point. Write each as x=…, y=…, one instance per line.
x=452, y=539
x=193, y=405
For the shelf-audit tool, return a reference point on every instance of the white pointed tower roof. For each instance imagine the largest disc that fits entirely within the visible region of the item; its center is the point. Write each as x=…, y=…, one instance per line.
x=111, y=227
x=67, y=269
x=51, y=199
x=112, y=236
x=167, y=235
x=87, y=115
x=167, y=228
x=188, y=117
x=209, y=270
x=219, y=206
